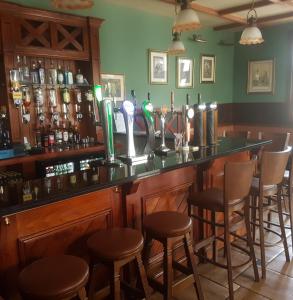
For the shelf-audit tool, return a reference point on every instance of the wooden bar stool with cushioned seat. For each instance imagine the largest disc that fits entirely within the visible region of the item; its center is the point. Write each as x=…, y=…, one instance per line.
x=169, y=227
x=266, y=194
x=54, y=278
x=116, y=248
x=233, y=202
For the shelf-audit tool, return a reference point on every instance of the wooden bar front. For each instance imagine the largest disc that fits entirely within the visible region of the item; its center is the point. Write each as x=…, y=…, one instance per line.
x=64, y=226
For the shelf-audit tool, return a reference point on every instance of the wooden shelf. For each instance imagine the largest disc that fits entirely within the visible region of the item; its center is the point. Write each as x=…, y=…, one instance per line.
x=50, y=155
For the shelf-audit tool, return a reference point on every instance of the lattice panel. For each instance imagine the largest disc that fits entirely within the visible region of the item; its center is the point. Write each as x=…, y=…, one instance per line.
x=34, y=33
x=69, y=38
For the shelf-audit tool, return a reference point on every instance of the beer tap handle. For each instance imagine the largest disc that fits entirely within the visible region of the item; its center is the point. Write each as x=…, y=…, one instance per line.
x=149, y=96
x=172, y=102
x=198, y=98
x=187, y=99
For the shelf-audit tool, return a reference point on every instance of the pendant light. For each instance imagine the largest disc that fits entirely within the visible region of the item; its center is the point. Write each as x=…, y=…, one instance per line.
x=187, y=19
x=177, y=47
x=73, y=4
x=251, y=35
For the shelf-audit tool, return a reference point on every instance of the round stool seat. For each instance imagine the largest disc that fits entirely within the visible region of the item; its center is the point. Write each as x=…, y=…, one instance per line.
x=115, y=244
x=56, y=277
x=167, y=224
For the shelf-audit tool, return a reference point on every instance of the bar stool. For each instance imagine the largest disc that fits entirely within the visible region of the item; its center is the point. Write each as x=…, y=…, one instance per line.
x=266, y=195
x=169, y=227
x=54, y=278
x=115, y=248
x=232, y=201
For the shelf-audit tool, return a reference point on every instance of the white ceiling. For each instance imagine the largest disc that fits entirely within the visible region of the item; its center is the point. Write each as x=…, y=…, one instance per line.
x=164, y=9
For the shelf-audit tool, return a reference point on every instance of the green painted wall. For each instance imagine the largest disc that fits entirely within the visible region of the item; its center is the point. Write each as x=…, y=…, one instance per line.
x=276, y=46
x=127, y=34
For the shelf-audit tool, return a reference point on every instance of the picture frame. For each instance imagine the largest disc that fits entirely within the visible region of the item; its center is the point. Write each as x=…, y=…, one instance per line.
x=158, y=67
x=113, y=86
x=184, y=72
x=261, y=76
x=207, y=68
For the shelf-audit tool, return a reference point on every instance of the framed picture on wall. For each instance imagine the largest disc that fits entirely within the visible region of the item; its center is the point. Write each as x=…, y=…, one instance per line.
x=261, y=76
x=208, y=69
x=158, y=67
x=184, y=72
x=113, y=86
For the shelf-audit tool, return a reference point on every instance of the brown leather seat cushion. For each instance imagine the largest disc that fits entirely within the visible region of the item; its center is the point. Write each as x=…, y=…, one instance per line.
x=56, y=277
x=167, y=224
x=115, y=244
x=212, y=199
x=269, y=190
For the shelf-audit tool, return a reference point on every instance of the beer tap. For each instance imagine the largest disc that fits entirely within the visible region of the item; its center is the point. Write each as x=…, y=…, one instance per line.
x=131, y=157
x=148, y=117
x=163, y=149
x=105, y=107
x=212, y=123
x=199, y=124
x=187, y=116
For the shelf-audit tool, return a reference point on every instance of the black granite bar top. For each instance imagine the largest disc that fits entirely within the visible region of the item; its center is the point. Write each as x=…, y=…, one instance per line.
x=48, y=190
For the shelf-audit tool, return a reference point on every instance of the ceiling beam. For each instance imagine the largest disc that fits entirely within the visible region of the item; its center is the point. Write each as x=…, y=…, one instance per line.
x=260, y=21
x=243, y=7
x=287, y=3
x=212, y=12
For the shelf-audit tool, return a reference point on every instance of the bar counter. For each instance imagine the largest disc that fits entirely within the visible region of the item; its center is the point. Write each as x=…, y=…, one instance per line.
x=68, y=208
x=62, y=187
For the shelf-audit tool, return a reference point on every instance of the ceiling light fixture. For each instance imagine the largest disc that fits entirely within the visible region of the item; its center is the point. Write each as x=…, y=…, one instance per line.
x=251, y=35
x=187, y=19
x=177, y=47
x=73, y=4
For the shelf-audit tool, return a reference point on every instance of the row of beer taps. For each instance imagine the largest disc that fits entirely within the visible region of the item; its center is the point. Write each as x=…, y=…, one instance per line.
x=128, y=110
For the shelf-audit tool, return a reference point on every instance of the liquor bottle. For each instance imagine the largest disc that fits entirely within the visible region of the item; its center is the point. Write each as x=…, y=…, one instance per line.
x=66, y=95
x=35, y=74
x=4, y=132
x=52, y=74
x=25, y=70
x=76, y=136
x=58, y=136
x=19, y=68
x=65, y=134
x=38, y=137
x=51, y=137
x=68, y=76
x=45, y=137
x=70, y=134
x=60, y=75
x=41, y=72
x=79, y=77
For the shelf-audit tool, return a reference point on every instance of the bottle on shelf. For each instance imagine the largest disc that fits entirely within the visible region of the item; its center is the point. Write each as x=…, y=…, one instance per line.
x=41, y=72
x=70, y=134
x=4, y=131
x=68, y=76
x=25, y=70
x=58, y=136
x=60, y=75
x=66, y=95
x=65, y=134
x=52, y=74
x=76, y=136
x=19, y=67
x=38, y=137
x=34, y=74
x=79, y=78
x=51, y=137
x=45, y=137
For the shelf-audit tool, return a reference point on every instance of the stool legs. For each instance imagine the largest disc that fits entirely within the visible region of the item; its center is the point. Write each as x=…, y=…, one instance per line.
x=168, y=269
x=281, y=222
x=290, y=210
x=115, y=281
x=228, y=256
x=82, y=294
x=192, y=265
x=143, y=276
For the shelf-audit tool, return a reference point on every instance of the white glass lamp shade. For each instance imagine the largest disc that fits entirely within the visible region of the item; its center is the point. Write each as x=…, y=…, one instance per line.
x=251, y=36
x=73, y=4
x=176, y=48
x=186, y=20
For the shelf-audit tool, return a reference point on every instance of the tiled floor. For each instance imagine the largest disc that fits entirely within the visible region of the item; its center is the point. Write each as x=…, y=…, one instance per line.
x=277, y=286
